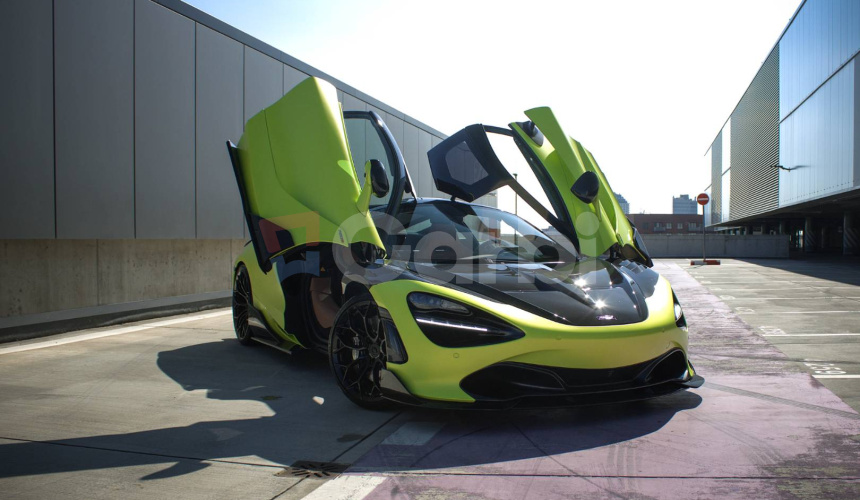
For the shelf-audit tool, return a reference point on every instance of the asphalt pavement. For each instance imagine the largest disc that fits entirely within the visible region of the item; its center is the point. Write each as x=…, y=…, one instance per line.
x=177, y=408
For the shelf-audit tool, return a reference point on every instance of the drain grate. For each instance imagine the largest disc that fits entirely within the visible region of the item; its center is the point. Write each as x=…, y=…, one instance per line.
x=309, y=468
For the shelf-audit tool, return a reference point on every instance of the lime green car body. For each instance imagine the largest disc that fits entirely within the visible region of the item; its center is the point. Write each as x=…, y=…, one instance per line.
x=300, y=174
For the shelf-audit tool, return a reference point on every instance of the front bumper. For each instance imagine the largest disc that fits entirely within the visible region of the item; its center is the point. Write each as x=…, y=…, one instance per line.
x=517, y=385
x=550, y=349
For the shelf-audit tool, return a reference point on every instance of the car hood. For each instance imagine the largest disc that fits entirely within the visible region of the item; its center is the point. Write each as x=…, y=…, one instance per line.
x=591, y=292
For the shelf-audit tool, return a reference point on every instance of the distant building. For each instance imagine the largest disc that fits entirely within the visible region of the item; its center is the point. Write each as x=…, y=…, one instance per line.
x=667, y=223
x=684, y=205
x=625, y=207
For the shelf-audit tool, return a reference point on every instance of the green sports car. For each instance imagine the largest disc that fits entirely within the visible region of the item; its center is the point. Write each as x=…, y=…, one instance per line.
x=446, y=302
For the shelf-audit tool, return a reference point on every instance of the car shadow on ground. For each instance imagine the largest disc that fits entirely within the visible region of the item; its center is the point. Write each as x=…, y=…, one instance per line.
x=296, y=428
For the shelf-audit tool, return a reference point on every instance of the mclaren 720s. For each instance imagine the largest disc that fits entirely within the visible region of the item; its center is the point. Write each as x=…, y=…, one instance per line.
x=444, y=301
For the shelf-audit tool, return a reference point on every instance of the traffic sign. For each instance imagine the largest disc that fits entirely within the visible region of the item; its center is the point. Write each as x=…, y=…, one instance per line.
x=703, y=199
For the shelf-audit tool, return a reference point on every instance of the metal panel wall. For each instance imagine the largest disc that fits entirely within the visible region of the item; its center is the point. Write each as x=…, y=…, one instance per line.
x=434, y=141
x=219, y=99
x=351, y=103
x=818, y=142
x=395, y=125
x=716, y=153
x=356, y=131
x=409, y=148
x=116, y=113
x=292, y=77
x=754, y=143
x=163, y=123
x=708, y=216
x=426, y=185
x=27, y=108
x=857, y=120
x=94, y=106
x=822, y=37
x=264, y=81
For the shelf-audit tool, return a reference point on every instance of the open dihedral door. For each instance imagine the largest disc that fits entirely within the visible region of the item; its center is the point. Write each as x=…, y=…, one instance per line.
x=600, y=225
x=296, y=176
x=466, y=167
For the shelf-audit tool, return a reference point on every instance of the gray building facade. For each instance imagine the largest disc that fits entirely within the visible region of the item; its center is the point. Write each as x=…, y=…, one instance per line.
x=684, y=205
x=116, y=191
x=622, y=201
x=787, y=160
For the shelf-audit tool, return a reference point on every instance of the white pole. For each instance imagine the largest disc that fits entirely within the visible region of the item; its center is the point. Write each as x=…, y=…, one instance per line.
x=703, y=234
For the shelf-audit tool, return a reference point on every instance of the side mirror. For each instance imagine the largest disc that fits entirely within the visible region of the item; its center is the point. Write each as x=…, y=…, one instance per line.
x=585, y=188
x=377, y=177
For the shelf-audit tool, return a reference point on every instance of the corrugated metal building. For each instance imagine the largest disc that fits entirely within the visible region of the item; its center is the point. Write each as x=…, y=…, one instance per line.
x=788, y=158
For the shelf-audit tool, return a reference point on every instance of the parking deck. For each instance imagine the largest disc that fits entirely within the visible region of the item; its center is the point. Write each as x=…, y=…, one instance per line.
x=177, y=408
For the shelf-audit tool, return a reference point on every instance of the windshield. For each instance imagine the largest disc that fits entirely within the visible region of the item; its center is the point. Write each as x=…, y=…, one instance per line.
x=446, y=232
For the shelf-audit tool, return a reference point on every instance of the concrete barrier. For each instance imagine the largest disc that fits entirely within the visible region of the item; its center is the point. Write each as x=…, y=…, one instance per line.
x=50, y=286
x=771, y=246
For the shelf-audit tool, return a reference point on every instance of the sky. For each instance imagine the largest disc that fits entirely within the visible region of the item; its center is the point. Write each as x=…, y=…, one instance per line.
x=644, y=85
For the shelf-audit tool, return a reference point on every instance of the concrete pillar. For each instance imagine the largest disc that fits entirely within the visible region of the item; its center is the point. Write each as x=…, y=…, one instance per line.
x=764, y=228
x=823, y=240
x=810, y=239
x=850, y=235
x=783, y=227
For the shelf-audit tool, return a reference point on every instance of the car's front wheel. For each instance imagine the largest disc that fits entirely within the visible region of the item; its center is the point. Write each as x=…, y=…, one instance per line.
x=241, y=305
x=356, y=350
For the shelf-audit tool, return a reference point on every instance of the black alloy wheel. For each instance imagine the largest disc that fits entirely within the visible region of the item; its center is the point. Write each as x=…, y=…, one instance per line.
x=241, y=305
x=357, y=352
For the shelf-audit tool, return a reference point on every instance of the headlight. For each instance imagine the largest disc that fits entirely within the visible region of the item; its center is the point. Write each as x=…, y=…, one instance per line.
x=427, y=302
x=447, y=323
x=680, y=321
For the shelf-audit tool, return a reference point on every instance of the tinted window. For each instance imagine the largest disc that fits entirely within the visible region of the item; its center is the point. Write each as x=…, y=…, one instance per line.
x=367, y=143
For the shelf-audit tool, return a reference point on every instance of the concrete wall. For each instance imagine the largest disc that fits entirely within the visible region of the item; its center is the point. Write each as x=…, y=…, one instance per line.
x=91, y=273
x=717, y=246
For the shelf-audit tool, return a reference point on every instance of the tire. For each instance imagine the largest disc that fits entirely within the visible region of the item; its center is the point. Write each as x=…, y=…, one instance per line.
x=242, y=306
x=356, y=352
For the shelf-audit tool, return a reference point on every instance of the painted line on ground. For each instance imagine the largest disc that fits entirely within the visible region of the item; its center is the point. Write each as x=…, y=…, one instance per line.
x=768, y=289
x=809, y=334
x=836, y=376
x=812, y=312
x=414, y=434
x=747, y=310
x=111, y=333
x=731, y=297
x=766, y=279
x=346, y=487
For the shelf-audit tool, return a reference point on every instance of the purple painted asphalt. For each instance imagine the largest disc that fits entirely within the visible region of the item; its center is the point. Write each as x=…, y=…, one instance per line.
x=759, y=428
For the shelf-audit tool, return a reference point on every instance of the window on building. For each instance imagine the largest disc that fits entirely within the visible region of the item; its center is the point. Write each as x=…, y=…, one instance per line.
x=680, y=225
